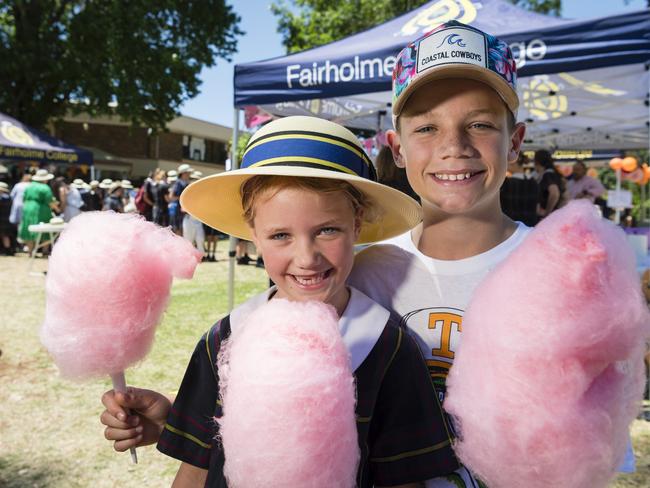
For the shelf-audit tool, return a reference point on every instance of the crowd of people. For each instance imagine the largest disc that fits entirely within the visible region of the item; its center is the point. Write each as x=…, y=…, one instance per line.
x=532, y=190
x=42, y=197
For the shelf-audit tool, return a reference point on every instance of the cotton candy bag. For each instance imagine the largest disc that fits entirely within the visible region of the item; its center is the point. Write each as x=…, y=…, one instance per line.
x=549, y=373
x=288, y=400
x=108, y=283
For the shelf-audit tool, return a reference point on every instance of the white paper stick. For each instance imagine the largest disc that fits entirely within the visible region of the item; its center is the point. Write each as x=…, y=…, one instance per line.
x=119, y=384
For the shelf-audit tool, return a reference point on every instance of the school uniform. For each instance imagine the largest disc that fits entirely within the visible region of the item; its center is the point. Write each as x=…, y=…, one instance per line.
x=401, y=432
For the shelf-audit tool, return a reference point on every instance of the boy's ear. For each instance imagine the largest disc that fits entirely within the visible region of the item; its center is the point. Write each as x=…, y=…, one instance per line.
x=516, y=139
x=393, y=140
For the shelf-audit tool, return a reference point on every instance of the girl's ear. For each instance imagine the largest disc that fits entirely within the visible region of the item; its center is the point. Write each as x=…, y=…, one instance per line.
x=254, y=238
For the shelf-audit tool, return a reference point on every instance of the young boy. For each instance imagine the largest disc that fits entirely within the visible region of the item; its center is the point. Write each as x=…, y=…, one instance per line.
x=454, y=112
x=305, y=195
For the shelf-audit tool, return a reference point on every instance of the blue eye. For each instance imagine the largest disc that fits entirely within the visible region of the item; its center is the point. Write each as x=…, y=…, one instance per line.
x=329, y=230
x=481, y=125
x=279, y=236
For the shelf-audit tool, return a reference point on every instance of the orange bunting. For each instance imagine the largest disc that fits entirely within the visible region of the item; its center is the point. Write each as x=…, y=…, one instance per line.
x=636, y=176
x=629, y=164
x=616, y=163
x=646, y=174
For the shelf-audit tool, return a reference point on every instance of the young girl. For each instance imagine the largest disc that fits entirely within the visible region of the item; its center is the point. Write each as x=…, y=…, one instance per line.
x=305, y=195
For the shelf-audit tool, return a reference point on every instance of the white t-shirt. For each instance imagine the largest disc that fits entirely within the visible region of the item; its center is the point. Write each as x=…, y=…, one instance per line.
x=430, y=297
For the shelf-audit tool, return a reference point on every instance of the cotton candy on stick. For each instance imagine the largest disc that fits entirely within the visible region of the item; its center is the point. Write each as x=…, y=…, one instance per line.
x=108, y=283
x=288, y=400
x=549, y=373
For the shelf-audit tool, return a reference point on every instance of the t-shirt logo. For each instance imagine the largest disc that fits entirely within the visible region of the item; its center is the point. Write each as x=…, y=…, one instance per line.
x=440, y=330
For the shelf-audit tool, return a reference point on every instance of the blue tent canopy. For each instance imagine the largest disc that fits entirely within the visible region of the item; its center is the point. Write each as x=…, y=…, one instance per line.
x=20, y=142
x=583, y=84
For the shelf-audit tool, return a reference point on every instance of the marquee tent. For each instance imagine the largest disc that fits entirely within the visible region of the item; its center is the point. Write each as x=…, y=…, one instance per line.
x=582, y=84
x=20, y=142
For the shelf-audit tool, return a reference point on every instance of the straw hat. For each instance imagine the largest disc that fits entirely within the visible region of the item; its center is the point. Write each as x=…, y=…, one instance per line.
x=57, y=221
x=42, y=175
x=126, y=184
x=303, y=147
x=116, y=185
x=94, y=184
x=196, y=175
x=106, y=183
x=4, y=187
x=185, y=168
x=79, y=183
x=172, y=175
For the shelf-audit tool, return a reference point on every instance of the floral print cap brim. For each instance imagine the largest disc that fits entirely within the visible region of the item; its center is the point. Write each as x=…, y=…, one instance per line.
x=451, y=45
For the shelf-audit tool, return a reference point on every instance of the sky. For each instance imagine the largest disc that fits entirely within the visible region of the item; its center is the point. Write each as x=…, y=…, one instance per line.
x=261, y=41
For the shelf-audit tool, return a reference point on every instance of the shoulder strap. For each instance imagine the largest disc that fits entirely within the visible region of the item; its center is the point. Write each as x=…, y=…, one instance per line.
x=218, y=333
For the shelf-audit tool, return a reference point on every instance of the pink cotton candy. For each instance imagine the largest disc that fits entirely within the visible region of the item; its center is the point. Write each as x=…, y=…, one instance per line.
x=107, y=286
x=549, y=373
x=288, y=400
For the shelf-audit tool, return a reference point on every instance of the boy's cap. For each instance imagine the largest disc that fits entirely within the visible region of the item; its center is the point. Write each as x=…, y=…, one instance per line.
x=455, y=50
x=300, y=146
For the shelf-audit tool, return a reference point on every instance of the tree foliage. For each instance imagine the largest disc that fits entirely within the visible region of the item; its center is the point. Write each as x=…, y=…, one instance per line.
x=138, y=59
x=309, y=23
x=550, y=7
x=304, y=24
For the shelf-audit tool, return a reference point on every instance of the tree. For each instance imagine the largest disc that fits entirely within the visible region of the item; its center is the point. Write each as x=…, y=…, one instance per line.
x=551, y=7
x=309, y=23
x=138, y=59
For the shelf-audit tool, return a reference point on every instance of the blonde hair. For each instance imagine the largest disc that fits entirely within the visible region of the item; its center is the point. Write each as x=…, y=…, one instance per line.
x=262, y=185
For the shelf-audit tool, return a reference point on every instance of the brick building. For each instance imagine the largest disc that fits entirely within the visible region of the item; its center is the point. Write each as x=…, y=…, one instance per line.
x=122, y=151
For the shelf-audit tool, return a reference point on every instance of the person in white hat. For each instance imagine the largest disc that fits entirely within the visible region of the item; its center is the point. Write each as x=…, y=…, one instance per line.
x=93, y=198
x=113, y=200
x=38, y=203
x=306, y=193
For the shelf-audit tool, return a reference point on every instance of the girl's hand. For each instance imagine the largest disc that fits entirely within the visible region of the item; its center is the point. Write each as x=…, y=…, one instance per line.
x=148, y=413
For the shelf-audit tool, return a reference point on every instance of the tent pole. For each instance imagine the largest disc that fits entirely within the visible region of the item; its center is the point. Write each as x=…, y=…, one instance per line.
x=644, y=211
x=232, y=241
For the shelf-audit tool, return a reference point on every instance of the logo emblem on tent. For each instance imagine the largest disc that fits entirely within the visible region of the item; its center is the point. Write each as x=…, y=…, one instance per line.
x=452, y=39
x=15, y=134
x=440, y=12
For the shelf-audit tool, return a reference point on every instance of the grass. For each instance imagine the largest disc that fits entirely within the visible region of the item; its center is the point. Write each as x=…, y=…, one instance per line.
x=50, y=435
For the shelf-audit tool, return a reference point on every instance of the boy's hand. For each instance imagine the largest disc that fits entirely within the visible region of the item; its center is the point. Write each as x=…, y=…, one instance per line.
x=143, y=426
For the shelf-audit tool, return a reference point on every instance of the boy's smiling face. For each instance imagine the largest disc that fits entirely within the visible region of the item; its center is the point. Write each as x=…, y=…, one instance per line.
x=307, y=241
x=455, y=142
